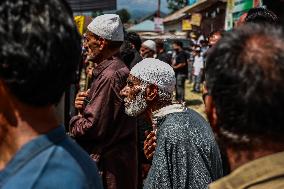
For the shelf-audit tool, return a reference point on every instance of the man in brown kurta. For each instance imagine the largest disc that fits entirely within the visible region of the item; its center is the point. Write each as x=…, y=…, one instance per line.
x=102, y=128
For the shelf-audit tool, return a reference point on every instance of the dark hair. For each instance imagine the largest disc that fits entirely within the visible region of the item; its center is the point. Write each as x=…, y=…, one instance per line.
x=114, y=45
x=220, y=32
x=261, y=15
x=159, y=44
x=40, y=49
x=178, y=43
x=135, y=39
x=127, y=53
x=245, y=76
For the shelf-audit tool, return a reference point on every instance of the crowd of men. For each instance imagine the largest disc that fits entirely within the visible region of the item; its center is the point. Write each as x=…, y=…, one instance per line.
x=130, y=91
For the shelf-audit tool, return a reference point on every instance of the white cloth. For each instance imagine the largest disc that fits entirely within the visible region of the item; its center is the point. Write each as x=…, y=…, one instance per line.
x=198, y=65
x=150, y=44
x=156, y=72
x=107, y=26
x=173, y=108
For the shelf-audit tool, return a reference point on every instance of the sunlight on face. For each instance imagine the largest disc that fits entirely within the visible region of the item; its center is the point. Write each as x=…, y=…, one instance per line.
x=135, y=102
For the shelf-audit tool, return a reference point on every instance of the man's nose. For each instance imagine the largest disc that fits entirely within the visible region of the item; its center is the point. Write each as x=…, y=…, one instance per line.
x=124, y=92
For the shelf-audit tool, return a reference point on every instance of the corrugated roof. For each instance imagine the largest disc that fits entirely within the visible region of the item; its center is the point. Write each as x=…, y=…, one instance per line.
x=182, y=12
x=146, y=26
x=177, y=15
x=92, y=5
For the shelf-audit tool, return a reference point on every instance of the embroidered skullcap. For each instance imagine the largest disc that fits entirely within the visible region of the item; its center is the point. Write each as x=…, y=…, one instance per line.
x=107, y=26
x=156, y=72
x=150, y=45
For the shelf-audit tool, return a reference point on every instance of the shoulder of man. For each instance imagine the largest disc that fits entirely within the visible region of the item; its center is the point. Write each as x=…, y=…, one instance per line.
x=78, y=165
x=188, y=121
x=116, y=71
x=63, y=165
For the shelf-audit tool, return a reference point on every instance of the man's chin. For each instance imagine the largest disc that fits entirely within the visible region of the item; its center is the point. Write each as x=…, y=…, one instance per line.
x=133, y=113
x=130, y=113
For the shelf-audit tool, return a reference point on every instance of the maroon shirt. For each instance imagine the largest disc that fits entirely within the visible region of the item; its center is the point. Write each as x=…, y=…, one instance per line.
x=105, y=131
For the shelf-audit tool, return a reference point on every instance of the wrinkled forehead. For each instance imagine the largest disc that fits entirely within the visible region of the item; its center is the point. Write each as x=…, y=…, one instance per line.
x=144, y=47
x=90, y=35
x=133, y=80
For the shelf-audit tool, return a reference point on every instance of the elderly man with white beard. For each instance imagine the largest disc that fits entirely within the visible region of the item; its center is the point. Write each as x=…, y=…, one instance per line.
x=187, y=155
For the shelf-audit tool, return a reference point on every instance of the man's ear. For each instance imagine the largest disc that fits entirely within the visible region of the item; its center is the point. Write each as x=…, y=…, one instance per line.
x=3, y=90
x=7, y=111
x=211, y=111
x=102, y=43
x=151, y=92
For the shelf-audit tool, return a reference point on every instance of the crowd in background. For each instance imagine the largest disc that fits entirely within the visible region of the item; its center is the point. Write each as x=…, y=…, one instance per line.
x=128, y=129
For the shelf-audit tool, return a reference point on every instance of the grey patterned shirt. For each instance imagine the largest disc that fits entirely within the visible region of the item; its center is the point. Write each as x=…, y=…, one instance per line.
x=187, y=155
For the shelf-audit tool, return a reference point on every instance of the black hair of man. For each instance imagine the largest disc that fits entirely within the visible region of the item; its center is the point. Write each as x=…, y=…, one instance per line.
x=127, y=53
x=135, y=39
x=178, y=43
x=245, y=77
x=160, y=44
x=261, y=15
x=40, y=49
x=216, y=32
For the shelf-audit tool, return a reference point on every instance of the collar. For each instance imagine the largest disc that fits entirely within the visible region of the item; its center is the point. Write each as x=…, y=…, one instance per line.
x=102, y=66
x=161, y=113
x=257, y=171
x=30, y=150
x=168, y=110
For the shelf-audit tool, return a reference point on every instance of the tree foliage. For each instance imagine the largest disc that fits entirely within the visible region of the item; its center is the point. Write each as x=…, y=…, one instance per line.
x=175, y=5
x=124, y=15
x=96, y=13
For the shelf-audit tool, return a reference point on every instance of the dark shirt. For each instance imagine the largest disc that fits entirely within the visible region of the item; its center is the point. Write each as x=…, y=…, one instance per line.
x=180, y=58
x=105, y=131
x=187, y=155
x=164, y=57
x=137, y=58
x=52, y=160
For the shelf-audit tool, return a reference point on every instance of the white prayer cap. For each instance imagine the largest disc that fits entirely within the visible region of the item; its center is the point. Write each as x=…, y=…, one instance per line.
x=150, y=44
x=156, y=72
x=107, y=26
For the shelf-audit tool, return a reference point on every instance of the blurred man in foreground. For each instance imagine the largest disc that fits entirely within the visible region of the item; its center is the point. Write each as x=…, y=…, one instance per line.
x=245, y=80
x=187, y=155
x=39, y=53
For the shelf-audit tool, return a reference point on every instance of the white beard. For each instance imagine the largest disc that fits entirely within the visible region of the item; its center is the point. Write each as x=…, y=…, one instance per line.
x=136, y=106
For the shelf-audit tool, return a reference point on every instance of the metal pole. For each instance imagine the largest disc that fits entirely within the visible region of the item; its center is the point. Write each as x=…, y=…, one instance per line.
x=159, y=9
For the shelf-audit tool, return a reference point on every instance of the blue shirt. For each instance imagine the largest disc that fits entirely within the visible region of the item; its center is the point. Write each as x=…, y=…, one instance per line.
x=51, y=161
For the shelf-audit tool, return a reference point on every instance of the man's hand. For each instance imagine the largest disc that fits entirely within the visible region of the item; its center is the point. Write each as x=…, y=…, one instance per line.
x=79, y=101
x=89, y=71
x=150, y=144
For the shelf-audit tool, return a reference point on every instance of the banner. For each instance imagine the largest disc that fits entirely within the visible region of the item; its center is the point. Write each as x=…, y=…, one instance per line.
x=236, y=8
x=79, y=21
x=196, y=19
x=229, y=15
x=191, y=2
x=186, y=25
x=159, y=24
x=241, y=5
